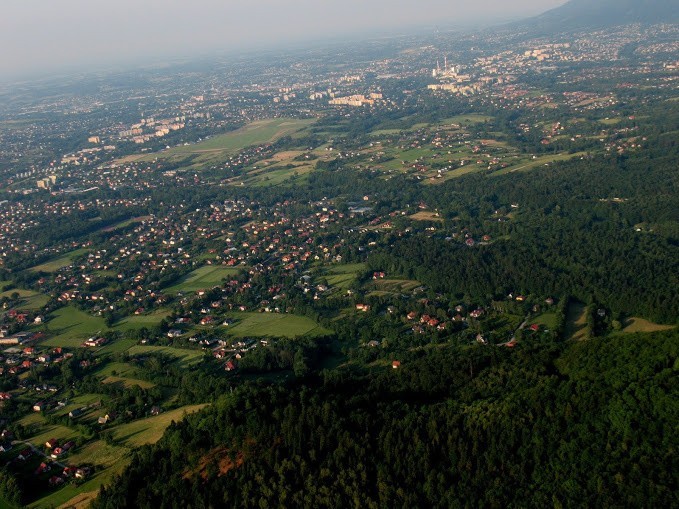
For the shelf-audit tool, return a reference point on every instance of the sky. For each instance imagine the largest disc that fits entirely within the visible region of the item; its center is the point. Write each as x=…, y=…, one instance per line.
x=48, y=35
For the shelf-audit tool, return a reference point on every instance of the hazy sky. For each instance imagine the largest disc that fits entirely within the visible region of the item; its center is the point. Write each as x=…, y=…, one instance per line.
x=48, y=34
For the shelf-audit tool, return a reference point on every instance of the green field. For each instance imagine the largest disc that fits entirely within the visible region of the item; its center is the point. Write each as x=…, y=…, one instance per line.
x=118, y=346
x=184, y=355
x=470, y=118
x=274, y=176
x=149, y=430
x=636, y=324
x=275, y=325
x=122, y=372
x=529, y=164
x=576, y=321
x=394, y=286
x=549, y=320
x=109, y=460
x=60, y=262
x=262, y=131
x=73, y=326
x=30, y=300
x=203, y=278
x=139, y=321
x=343, y=276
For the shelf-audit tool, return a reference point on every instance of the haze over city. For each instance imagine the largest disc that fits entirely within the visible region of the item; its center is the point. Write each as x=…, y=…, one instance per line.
x=69, y=34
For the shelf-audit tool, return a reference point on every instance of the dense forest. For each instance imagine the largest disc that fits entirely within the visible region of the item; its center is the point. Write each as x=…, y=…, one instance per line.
x=556, y=425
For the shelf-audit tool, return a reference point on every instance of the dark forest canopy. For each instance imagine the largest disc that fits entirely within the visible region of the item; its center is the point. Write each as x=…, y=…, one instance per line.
x=588, y=423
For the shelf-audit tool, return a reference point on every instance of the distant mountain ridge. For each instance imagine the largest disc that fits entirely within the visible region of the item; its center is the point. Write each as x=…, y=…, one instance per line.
x=586, y=14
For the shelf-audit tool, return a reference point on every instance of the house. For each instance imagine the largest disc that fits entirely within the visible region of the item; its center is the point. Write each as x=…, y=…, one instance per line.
x=25, y=454
x=39, y=406
x=94, y=342
x=230, y=366
x=534, y=327
x=69, y=471
x=174, y=333
x=55, y=480
x=156, y=410
x=396, y=364
x=477, y=313
x=81, y=473
x=374, y=343
x=52, y=443
x=362, y=307
x=44, y=467
x=4, y=447
x=75, y=413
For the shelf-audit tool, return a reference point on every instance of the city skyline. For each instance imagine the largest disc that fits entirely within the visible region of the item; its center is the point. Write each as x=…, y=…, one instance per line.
x=72, y=33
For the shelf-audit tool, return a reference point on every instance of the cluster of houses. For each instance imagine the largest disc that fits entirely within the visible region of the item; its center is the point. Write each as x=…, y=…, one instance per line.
x=235, y=352
x=18, y=359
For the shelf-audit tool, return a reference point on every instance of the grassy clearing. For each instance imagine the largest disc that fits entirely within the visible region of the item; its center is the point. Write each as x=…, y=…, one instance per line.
x=139, y=321
x=390, y=286
x=125, y=223
x=117, y=369
x=30, y=300
x=636, y=324
x=576, y=321
x=470, y=118
x=60, y=262
x=460, y=172
x=527, y=165
x=184, y=355
x=203, y=278
x=118, y=346
x=122, y=372
x=263, y=131
x=128, y=382
x=48, y=431
x=276, y=325
x=73, y=326
x=150, y=430
x=84, y=400
x=343, y=276
x=426, y=216
x=548, y=320
x=275, y=176
x=385, y=132
x=109, y=460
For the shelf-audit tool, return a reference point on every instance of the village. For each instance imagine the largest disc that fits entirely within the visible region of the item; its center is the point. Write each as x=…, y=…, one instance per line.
x=211, y=233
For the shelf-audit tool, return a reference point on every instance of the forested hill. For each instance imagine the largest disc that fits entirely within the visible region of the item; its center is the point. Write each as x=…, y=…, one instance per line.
x=586, y=424
x=582, y=14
